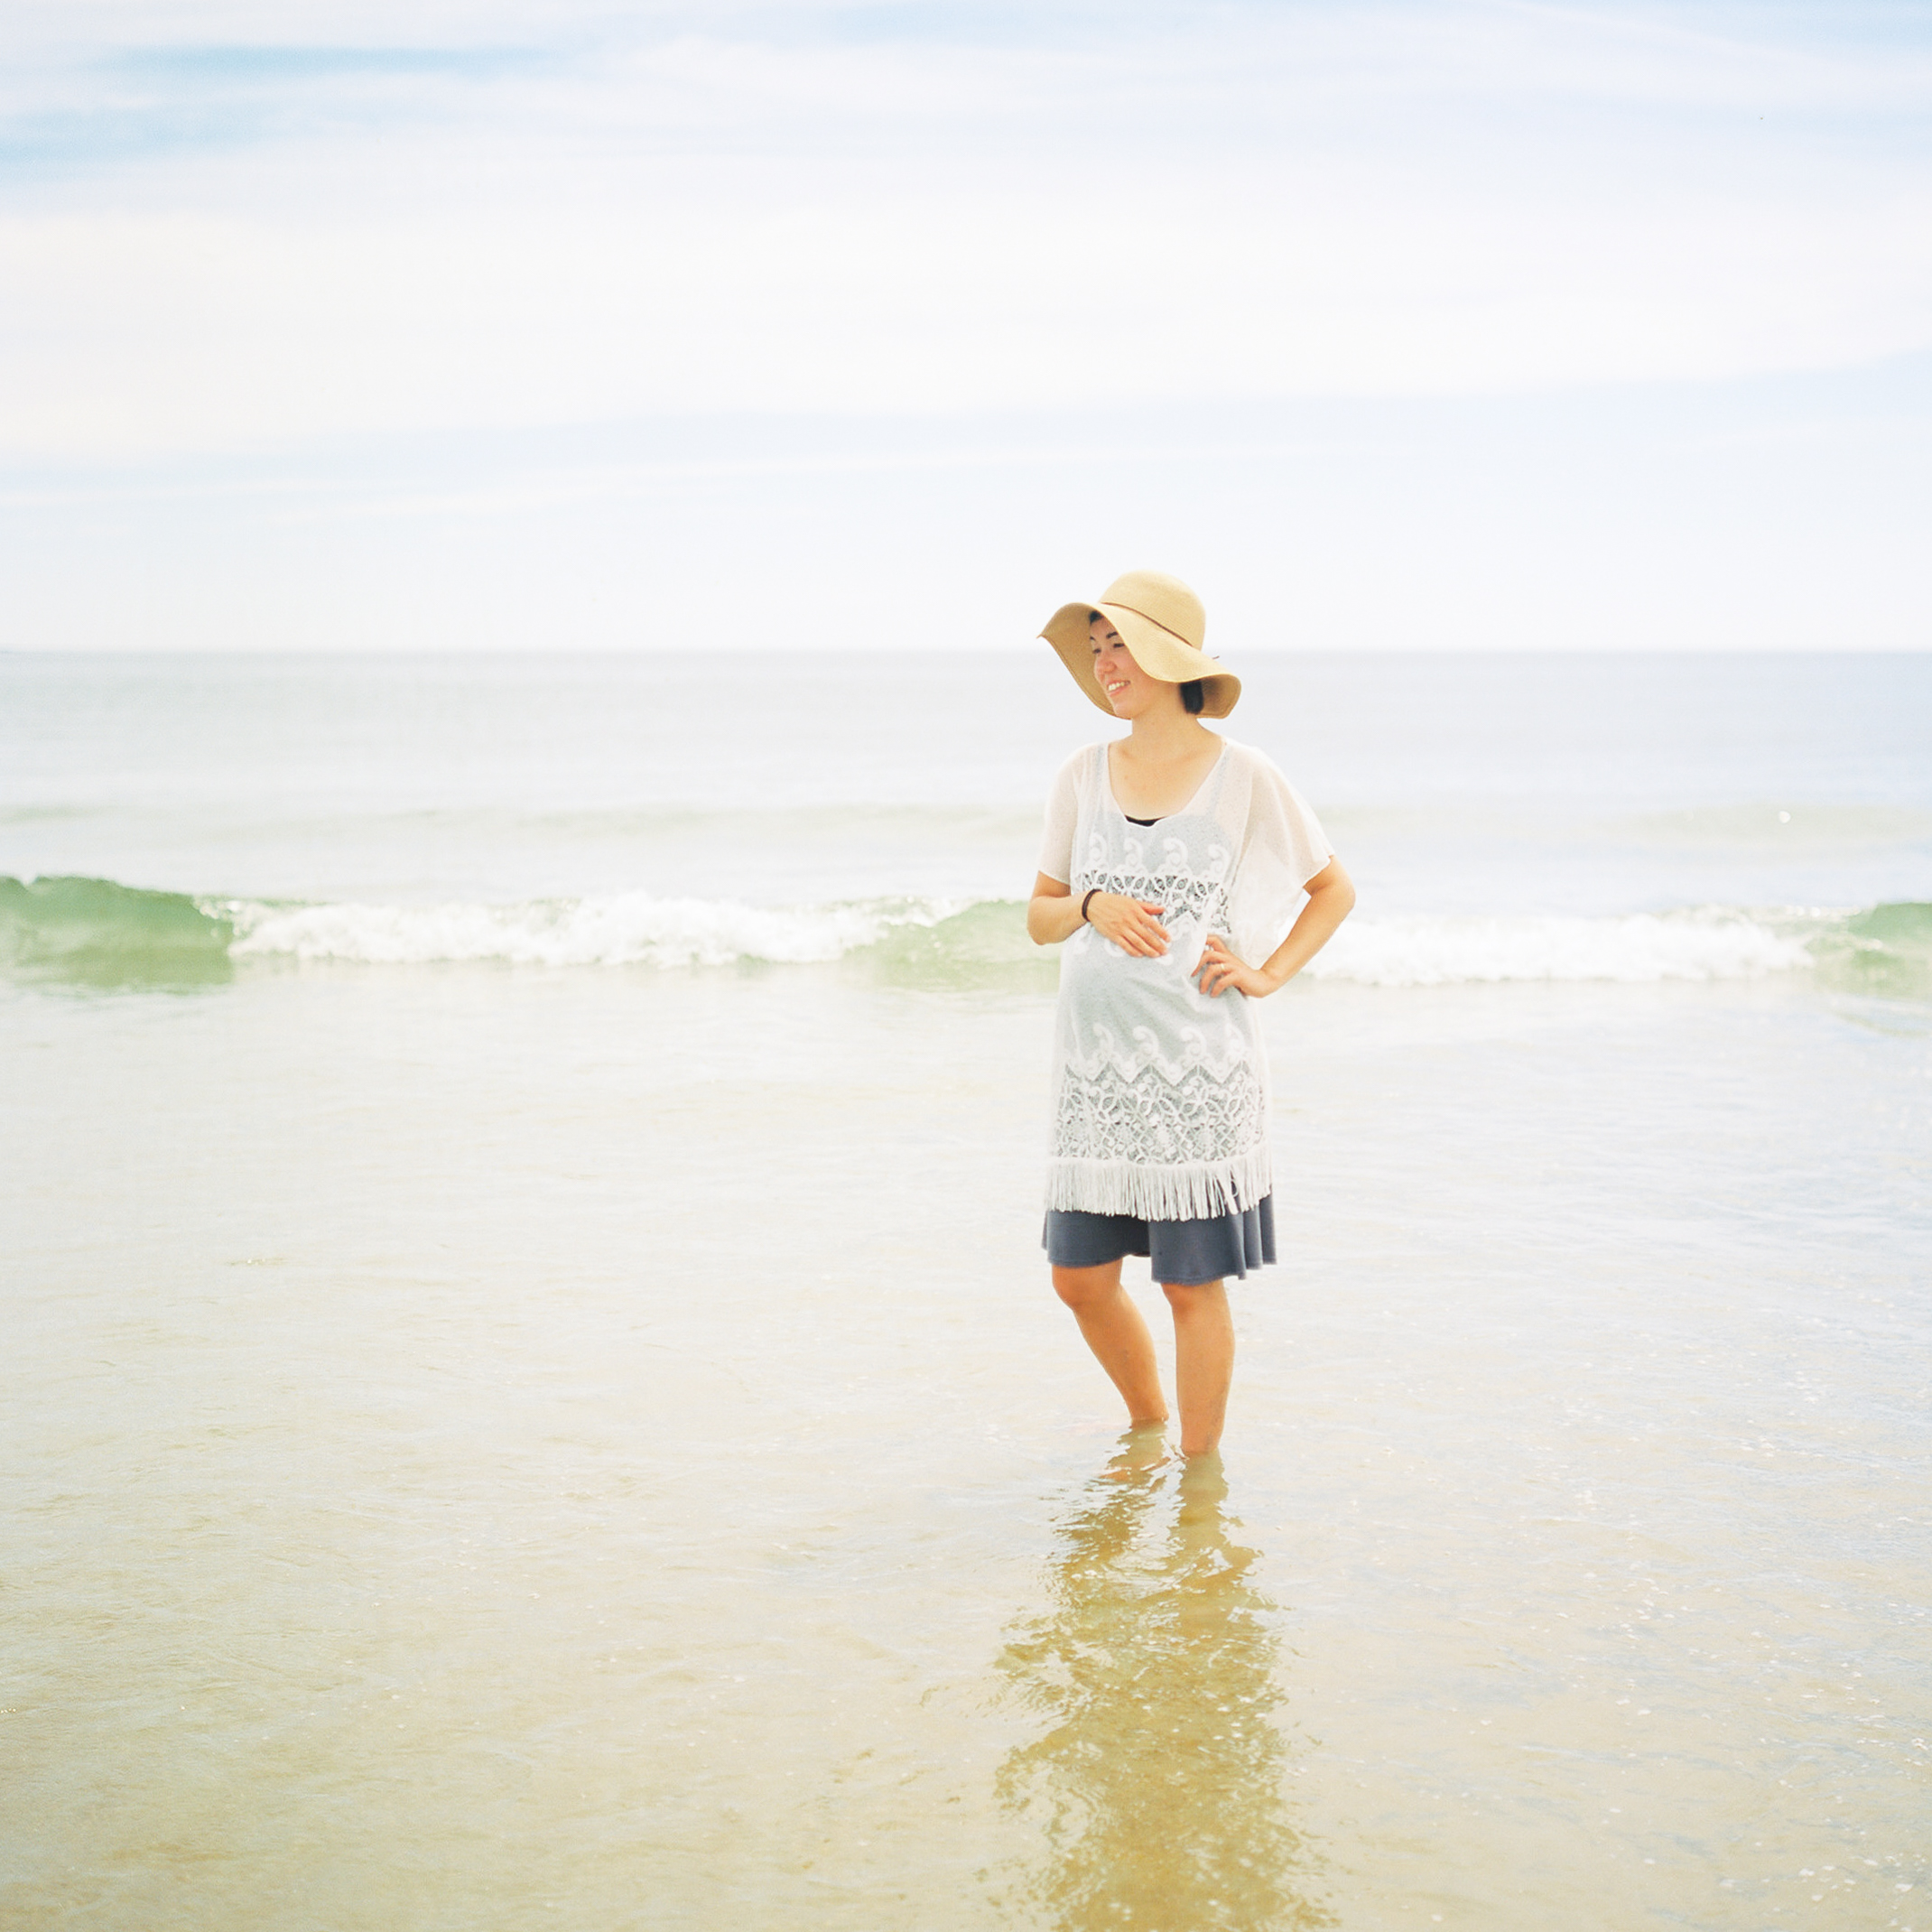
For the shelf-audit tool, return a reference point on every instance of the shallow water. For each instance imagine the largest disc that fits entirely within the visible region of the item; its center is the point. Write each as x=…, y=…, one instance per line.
x=515, y=1445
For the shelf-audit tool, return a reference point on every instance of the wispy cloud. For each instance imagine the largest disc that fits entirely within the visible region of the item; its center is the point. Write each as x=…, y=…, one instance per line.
x=501, y=214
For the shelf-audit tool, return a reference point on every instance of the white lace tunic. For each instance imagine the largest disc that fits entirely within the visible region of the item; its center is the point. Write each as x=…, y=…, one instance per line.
x=1160, y=1091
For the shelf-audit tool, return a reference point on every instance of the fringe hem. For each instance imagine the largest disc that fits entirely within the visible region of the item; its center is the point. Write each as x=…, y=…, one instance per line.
x=1149, y=1191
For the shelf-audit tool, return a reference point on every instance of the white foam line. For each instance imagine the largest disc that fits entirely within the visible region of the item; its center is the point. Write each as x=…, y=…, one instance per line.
x=620, y=929
x=636, y=928
x=1636, y=948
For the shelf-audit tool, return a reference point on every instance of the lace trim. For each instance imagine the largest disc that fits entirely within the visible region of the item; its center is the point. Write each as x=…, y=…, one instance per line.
x=1195, y=1055
x=1203, y=1192
x=1161, y=1148
x=1183, y=897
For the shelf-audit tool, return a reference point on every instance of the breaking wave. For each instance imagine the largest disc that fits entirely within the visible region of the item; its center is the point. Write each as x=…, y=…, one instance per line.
x=1708, y=944
x=97, y=930
x=618, y=929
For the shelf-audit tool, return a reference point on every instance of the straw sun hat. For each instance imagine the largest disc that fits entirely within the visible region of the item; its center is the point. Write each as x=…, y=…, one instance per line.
x=1161, y=622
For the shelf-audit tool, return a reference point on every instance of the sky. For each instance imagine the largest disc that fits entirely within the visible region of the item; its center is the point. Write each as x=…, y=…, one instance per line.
x=1441, y=324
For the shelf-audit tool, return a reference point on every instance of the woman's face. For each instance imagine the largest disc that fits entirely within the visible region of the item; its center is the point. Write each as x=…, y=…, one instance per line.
x=1123, y=683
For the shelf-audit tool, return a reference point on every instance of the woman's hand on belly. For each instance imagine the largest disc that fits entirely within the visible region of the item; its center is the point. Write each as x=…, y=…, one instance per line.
x=1133, y=924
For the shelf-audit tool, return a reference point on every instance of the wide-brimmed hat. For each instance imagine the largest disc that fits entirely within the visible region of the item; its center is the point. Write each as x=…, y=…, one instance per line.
x=1162, y=624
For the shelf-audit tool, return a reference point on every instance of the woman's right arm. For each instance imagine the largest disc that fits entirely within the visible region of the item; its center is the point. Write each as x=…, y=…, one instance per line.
x=1053, y=914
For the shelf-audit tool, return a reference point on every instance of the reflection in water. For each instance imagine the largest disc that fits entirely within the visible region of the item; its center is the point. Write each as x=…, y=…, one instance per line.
x=1158, y=1780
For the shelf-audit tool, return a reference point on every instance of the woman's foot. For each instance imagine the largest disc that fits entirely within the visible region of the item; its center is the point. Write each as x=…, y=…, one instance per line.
x=1144, y=1447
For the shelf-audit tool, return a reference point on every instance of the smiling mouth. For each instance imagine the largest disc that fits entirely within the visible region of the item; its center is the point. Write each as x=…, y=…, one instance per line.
x=1119, y=684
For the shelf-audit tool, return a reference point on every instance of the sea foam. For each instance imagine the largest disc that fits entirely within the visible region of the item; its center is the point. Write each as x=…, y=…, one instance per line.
x=617, y=929
x=98, y=928
x=628, y=929
x=1709, y=945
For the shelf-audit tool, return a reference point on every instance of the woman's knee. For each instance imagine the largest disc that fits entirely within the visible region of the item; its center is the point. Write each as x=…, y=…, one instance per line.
x=1185, y=1295
x=1080, y=1287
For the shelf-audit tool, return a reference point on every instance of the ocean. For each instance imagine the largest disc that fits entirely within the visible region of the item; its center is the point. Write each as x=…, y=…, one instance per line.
x=533, y=1396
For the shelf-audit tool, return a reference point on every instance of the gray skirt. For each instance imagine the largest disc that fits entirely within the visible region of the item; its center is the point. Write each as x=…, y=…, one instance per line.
x=1180, y=1253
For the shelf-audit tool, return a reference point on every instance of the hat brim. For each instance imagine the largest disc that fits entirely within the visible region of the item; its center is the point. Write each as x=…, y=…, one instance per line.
x=1155, y=649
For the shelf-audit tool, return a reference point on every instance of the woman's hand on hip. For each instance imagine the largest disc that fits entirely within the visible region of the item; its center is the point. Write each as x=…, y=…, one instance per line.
x=1133, y=924
x=1218, y=969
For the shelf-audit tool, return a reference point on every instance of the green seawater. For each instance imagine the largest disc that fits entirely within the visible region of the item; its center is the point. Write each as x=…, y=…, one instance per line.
x=1885, y=951
x=91, y=932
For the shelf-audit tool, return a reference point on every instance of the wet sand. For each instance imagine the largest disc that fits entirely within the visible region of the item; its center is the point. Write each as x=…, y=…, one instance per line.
x=487, y=1453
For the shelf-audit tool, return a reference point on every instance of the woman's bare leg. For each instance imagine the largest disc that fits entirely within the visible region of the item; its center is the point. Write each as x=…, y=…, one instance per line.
x=1116, y=1335
x=1203, y=1361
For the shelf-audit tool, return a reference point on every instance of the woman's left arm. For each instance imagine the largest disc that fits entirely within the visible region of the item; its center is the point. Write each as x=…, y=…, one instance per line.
x=1331, y=900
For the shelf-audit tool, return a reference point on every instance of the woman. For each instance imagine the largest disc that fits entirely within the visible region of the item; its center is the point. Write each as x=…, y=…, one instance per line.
x=1173, y=857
